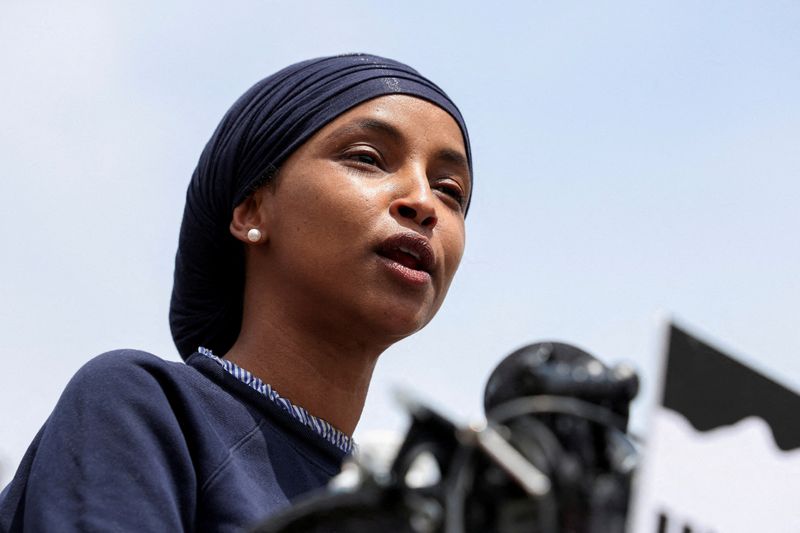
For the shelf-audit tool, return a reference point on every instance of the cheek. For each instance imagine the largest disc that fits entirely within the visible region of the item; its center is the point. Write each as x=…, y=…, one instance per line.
x=334, y=208
x=453, y=241
x=339, y=189
x=358, y=208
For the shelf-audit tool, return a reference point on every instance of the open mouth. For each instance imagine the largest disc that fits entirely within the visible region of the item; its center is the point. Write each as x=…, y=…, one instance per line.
x=407, y=258
x=410, y=250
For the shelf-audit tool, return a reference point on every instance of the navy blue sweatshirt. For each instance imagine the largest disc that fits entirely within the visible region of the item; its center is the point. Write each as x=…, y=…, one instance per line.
x=137, y=443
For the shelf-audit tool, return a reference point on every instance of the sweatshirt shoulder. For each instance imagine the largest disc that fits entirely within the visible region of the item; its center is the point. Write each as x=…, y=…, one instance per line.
x=119, y=371
x=126, y=359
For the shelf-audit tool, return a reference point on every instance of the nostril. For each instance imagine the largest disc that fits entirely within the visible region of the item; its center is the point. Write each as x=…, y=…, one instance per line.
x=421, y=216
x=407, y=212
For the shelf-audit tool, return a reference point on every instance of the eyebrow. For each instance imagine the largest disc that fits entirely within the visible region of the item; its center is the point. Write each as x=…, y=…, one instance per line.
x=454, y=157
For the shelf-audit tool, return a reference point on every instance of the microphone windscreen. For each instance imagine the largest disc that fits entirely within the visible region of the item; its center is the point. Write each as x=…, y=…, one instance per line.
x=559, y=369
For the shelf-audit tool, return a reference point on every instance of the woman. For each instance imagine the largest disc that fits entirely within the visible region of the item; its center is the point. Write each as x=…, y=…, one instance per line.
x=324, y=222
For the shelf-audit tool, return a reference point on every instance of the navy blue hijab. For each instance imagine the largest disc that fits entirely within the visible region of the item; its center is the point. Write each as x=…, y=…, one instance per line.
x=257, y=134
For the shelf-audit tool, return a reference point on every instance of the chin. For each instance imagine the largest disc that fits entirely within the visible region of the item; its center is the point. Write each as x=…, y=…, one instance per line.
x=398, y=324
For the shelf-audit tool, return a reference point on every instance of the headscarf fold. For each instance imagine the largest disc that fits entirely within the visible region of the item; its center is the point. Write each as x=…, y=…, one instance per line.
x=259, y=132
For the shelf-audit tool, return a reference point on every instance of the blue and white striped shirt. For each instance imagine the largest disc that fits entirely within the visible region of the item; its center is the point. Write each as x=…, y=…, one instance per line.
x=317, y=425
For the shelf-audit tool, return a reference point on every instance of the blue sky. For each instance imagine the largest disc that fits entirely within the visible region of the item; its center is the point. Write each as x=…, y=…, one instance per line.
x=633, y=160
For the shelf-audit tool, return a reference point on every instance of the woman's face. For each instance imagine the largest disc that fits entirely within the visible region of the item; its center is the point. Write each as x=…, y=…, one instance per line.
x=364, y=223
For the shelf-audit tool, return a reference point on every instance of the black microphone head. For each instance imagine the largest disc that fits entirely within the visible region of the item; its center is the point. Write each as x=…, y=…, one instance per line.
x=559, y=369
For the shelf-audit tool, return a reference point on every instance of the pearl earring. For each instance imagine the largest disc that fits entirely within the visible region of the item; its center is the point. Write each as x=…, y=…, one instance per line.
x=254, y=235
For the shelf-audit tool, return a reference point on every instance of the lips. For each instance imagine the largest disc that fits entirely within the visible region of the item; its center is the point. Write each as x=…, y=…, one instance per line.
x=411, y=250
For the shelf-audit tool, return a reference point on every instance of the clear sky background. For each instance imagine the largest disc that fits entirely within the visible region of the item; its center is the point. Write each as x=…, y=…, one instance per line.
x=632, y=160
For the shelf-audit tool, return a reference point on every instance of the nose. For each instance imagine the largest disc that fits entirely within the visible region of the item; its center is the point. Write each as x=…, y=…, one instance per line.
x=415, y=202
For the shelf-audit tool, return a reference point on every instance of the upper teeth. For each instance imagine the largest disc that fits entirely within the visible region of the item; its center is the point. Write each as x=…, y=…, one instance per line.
x=409, y=252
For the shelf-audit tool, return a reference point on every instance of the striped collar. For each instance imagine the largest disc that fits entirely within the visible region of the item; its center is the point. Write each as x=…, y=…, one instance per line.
x=317, y=425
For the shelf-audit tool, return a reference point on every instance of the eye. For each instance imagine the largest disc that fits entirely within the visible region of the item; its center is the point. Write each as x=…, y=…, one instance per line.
x=452, y=190
x=363, y=158
x=366, y=159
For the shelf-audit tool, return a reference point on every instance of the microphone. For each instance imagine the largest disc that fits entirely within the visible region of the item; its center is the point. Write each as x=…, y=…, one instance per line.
x=559, y=369
x=567, y=413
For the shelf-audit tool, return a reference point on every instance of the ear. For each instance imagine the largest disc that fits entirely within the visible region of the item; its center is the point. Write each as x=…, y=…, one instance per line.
x=248, y=215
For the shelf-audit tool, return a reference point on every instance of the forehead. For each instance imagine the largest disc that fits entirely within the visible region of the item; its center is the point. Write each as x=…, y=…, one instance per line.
x=402, y=107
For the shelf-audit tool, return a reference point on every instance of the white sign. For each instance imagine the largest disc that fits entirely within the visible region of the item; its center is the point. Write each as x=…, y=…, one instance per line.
x=723, y=450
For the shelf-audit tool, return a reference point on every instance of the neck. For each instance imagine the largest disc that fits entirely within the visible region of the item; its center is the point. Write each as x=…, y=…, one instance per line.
x=326, y=375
